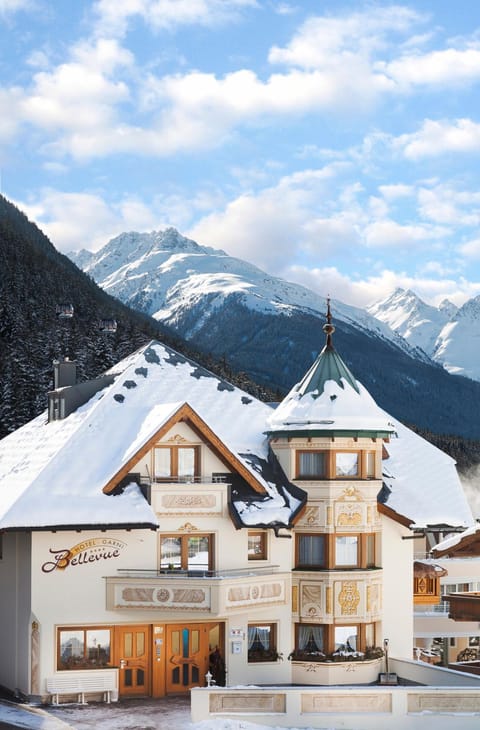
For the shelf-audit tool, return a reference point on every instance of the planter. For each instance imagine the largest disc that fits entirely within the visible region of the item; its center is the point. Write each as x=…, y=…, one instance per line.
x=336, y=672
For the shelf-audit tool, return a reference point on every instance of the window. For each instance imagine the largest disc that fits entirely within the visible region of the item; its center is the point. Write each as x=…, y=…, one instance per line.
x=186, y=552
x=331, y=464
x=311, y=464
x=262, y=643
x=311, y=552
x=79, y=648
x=346, y=638
x=309, y=642
x=370, y=464
x=257, y=545
x=346, y=551
x=177, y=462
x=346, y=464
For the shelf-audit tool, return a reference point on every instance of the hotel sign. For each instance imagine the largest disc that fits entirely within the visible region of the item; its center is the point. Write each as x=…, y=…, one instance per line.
x=89, y=551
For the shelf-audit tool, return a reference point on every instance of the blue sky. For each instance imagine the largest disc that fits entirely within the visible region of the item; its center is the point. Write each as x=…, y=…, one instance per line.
x=331, y=142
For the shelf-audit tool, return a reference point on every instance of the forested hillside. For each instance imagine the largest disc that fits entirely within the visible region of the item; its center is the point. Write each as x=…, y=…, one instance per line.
x=34, y=279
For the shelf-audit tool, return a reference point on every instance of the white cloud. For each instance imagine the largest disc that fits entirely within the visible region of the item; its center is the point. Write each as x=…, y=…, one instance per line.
x=471, y=249
x=364, y=291
x=445, y=205
x=323, y=42
x=279, y=222
x=390, y=234
x=437, y=68
x=396, y=191
x=436, y=138
x=113, y=17
x=85, y=220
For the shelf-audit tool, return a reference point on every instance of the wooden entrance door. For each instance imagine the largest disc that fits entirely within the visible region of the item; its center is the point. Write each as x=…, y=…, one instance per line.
x=133, y=658
x=186, y=657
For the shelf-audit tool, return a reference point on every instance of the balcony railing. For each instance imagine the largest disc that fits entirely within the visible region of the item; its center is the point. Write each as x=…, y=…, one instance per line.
x=190, y=479
x=197, y=572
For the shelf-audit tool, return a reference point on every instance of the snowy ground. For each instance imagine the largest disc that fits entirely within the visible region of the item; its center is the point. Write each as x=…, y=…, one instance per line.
x=171, y=713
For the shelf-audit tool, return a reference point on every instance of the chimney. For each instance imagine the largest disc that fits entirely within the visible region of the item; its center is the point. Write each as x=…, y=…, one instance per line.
x=64, y=373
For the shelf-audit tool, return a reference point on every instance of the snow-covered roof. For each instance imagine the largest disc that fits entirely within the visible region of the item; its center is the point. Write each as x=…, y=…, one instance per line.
x=53, y=474
x=459, y=542
x=422, y=483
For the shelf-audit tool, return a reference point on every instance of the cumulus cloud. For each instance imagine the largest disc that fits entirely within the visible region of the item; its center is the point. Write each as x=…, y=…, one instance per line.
x=445, y=205
x=436, y=138
x=86, y=220
x=323, y=42
x=267, y=227
x=435, y=69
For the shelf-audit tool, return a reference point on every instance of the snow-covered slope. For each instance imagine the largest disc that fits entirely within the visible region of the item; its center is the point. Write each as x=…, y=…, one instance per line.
x=166, y=275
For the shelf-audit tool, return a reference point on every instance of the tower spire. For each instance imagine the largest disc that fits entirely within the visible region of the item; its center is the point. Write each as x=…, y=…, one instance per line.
x=328, y=327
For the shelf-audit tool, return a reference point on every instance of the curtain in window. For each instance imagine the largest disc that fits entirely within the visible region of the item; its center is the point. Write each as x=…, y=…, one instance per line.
x=258, y=637
x=312, y=464
x=311, y=550
x=310, y=638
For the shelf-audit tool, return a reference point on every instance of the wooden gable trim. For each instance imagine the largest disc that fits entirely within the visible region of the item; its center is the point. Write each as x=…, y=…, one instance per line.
x=187, y=414
x=396, y=516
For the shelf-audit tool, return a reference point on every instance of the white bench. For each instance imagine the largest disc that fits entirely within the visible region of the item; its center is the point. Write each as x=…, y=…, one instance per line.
x=79, y=684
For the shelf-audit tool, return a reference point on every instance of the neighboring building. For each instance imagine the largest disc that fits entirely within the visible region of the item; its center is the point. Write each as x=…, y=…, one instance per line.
x=161, y=523
x=447, y=628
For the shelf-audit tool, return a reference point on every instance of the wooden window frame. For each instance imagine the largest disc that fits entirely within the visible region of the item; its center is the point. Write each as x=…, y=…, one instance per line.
x=329, y=638
x=330, y=471
x=174, y=449
x=86, y=664
x=270, y=655
x=184, y=538
x=263, y=553
x=312, y=477
x=346, y=566
x=326, y=551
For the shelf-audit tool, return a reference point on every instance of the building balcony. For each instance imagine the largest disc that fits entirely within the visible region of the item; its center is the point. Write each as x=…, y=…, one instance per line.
x=198, y=592
x=464, y=606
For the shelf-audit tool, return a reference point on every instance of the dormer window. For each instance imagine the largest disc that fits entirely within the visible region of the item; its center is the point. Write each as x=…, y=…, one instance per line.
x=180, y=463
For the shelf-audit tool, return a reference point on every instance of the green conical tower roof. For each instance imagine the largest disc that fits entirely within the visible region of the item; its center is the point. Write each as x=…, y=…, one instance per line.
x=328, y=366
x=329, y=399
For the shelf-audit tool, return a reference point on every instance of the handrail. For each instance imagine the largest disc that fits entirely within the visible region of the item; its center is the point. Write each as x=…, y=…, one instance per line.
x=192, y=573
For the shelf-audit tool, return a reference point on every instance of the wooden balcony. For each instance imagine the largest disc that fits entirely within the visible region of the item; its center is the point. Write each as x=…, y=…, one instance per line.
x=464, y=606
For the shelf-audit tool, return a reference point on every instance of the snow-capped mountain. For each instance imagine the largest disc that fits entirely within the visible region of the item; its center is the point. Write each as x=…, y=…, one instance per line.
x=272, y=330
x=448, y=334
x=408, y=315
x=169, y=277
x=458, y=344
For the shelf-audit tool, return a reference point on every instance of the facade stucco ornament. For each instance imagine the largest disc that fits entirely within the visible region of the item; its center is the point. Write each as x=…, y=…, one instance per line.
x=349, y=598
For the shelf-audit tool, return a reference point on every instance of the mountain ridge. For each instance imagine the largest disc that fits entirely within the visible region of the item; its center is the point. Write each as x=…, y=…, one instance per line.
x=272, y=329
